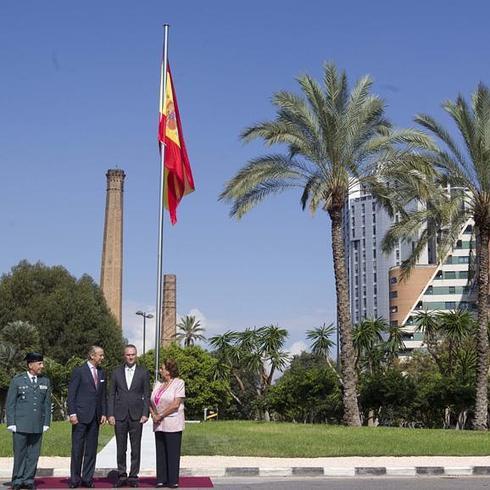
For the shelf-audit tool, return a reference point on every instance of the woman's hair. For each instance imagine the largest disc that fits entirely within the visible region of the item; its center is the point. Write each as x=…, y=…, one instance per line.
x=172, y=368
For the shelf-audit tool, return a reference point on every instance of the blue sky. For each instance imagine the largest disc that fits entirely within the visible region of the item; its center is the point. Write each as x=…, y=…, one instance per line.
x=79, y=95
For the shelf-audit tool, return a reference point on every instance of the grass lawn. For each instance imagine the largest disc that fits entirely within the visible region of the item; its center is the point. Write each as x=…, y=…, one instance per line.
x=292, y=440
x=56, y=441
x=298, y=440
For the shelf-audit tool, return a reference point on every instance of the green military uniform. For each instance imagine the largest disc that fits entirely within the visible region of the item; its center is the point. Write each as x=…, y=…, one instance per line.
x=29, y=410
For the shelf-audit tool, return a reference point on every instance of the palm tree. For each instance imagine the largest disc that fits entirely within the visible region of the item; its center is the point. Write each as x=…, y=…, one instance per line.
x=336, y=139
x=190, y=330
x=368, y=342
x=456, y=326
x=465, y=168
x=427, y=323
x=321, y=342
x=394, y=344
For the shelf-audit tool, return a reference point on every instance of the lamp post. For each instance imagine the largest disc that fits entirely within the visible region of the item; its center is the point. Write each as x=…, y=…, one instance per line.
x=145, y=316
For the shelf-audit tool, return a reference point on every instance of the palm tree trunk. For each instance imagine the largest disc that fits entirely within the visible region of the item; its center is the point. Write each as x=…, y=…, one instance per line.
x=347, y=357
x=481, y=402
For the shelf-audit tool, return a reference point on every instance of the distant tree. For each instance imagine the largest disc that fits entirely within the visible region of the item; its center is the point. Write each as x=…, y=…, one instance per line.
x=197, y=368
x=322, y=343
x=252, y=357
x=367, y=337
x=308, y=391
x=70, y=314
x=190, y=331
x=16, y=340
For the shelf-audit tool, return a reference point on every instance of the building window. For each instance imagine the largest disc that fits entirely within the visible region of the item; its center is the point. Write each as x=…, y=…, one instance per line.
x=394, y=323
x=450, y=305
x=459, y=244
x=374, y=205
x=452, y=290
x=374, y=253
x=374, y=229
x=394, y=309
x=357, y=280
x=393, y=280
x=463, y=274
x=393, y=294
x=464, y=260
x=429, y=290
x=450, y=275
x=374, y=277
x=374, y=218
x=363, y=231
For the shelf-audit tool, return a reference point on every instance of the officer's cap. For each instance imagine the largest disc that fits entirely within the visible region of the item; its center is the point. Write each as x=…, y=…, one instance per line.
x=33, y=357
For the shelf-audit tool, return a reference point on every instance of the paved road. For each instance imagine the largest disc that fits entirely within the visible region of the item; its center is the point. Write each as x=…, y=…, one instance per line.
x=359, y=483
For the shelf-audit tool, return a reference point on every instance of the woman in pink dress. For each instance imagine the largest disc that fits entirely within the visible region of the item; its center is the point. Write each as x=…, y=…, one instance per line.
x=167, y=412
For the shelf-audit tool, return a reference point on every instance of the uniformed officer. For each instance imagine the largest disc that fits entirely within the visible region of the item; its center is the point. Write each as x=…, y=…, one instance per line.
x=28, y=416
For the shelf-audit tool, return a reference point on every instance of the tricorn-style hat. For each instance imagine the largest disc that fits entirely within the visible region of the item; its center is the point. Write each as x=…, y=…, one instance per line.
x=33, y=357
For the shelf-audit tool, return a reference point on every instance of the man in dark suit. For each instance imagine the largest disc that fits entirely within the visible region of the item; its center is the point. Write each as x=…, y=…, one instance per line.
x=128, y=410
x=87, y=406
x=28, y=416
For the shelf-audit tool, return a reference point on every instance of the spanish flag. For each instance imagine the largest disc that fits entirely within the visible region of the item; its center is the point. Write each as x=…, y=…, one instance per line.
x=178, y=173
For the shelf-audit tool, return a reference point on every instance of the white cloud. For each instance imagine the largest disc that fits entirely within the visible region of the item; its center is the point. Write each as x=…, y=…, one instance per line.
x=297, y=348
x=133, y=325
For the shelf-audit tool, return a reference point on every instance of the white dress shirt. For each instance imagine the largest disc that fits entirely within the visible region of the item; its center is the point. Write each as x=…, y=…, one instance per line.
x=129, y=373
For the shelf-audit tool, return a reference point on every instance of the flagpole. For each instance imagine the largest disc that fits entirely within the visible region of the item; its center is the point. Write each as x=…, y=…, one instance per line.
x=163, y=86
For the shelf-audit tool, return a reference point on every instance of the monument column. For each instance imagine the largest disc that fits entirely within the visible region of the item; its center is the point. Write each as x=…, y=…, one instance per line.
x=169, y=307
x=112, y=251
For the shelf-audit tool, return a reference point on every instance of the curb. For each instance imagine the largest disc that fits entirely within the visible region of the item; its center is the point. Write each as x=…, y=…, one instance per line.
x=299, y=471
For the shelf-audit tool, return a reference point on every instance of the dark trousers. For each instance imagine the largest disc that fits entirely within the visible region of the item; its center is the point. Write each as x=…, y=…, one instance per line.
x=84, y=439
x=133, y=428
x=168, y=456
x=26, y=454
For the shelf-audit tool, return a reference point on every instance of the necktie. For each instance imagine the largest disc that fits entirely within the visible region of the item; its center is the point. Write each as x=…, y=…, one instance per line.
x=34, y=380
x=94, y=374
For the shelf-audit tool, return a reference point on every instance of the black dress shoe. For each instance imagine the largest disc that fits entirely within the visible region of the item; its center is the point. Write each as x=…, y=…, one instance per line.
x=160, y=485
x=174, y=485
x=29, y=486
x=88, y=484
x=73, y=485
x=16, y=487
x=134, y=483
x=122, y=482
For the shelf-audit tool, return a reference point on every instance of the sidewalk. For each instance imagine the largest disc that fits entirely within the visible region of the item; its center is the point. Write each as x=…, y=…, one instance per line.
x=220, y=466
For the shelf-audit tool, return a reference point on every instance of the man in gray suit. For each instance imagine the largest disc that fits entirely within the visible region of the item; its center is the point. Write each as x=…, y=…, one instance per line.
x=128, y=409
x=28, y=416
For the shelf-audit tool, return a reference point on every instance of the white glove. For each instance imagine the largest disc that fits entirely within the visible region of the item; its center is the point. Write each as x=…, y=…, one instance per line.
x=12, y=428
x=45, y=428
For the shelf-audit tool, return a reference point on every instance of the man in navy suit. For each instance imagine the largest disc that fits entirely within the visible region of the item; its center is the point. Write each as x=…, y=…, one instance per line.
x=87, y=407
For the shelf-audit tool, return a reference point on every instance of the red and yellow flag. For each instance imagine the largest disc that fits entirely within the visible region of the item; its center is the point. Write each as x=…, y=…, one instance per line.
x=178, y=173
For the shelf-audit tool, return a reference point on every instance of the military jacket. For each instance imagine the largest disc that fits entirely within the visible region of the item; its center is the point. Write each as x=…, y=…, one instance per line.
x=29, y=404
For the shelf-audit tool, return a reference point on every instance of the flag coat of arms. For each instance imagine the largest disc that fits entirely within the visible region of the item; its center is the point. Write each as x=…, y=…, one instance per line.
x=178, y=174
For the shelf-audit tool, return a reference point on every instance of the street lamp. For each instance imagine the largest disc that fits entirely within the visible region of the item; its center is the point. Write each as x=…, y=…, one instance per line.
x=145, y=316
